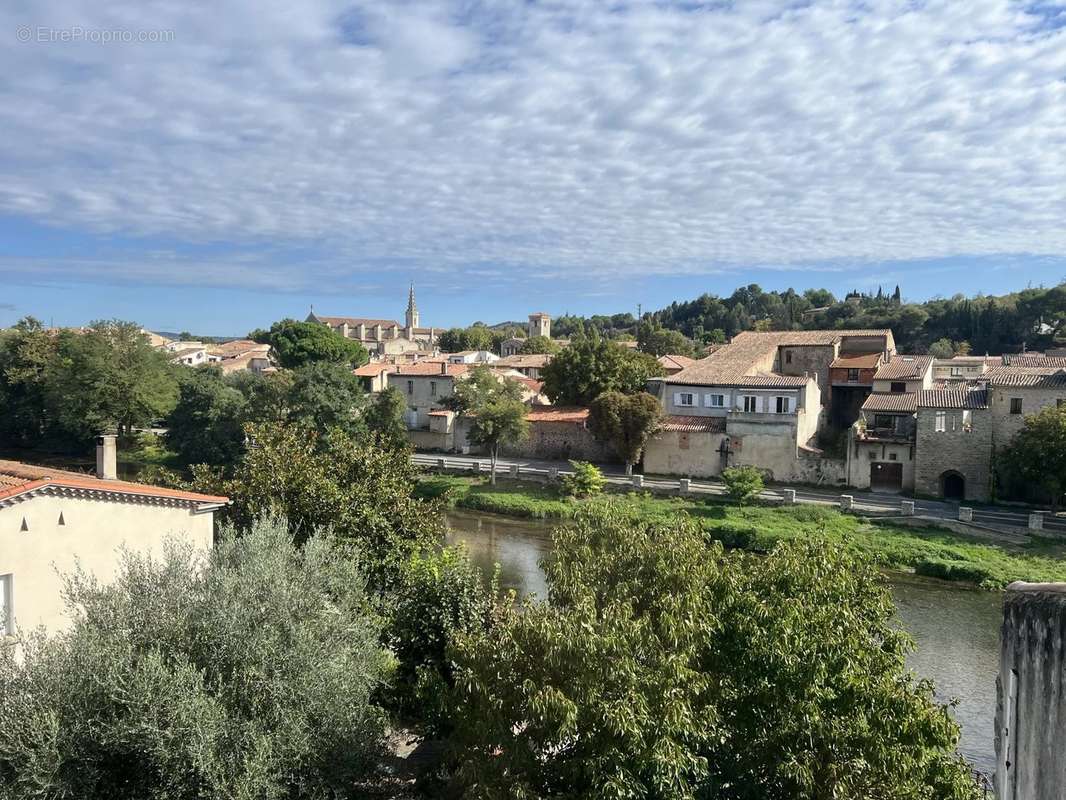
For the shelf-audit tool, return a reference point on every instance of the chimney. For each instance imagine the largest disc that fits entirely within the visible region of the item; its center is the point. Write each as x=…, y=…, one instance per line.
x=107, y=457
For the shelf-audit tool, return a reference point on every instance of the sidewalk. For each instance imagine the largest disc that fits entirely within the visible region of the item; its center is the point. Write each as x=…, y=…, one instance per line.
x=997, y=517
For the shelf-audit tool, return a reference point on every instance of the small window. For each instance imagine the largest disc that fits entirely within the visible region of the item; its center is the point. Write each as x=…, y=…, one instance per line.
x=967, y=421
x=782, y=405
x=884, y=421
x=7, y=612
x=750, y=403
x=941, y=421
x=715, y=400
x=1016, y=405
x=410, y=387
x=892, y=456
x=788, y=356
x=853, y=376
x=432, y=388
x=899, y=387
x=956, y=372
x=685, y=399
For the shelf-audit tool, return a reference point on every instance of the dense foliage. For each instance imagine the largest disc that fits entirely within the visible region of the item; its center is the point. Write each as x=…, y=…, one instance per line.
x=495, y=407
x=298, y=343
x=245, y=676
x=592, y=365
x=584, y=480
x=626, y=422
x=661, y=667
x=62, y=388
x=476, y=337
x=658, y=341
x=353, y=487
x=1036, y=458
x=1032, y=318
x=386, y=415
x=536, y=345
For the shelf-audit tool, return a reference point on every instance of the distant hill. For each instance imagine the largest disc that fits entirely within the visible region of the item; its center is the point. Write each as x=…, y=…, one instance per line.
x=197, y=337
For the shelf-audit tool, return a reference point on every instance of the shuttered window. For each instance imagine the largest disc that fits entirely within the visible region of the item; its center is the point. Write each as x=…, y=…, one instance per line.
x=7, y=624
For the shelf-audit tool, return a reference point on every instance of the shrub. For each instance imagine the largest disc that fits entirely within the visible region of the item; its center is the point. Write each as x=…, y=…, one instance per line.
x=442, y=593
x=743, y=483
x=247, y=673
x=587, y=480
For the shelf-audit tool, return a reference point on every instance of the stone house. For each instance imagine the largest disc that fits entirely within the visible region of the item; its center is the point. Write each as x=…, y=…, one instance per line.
x=964, y=368
x=511, y=347
x=375, y=375
x=954, y=443
x=560, y=433
x=424, y=385
x=851, y=379
x=53, y=520
x=881, y=452
x=695, y=446
x=903, y=373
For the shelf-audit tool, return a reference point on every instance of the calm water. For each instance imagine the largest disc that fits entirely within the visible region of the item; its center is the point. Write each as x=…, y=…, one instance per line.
x=956, y=630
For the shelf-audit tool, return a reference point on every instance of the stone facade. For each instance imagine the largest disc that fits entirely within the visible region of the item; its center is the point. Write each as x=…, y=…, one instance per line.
x=961, y=450
x=696, y=454
x=563, y=440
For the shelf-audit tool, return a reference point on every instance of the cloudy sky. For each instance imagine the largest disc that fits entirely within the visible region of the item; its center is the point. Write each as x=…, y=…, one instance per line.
x=240, y=164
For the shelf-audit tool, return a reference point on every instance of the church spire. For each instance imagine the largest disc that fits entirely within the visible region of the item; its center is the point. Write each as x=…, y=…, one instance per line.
x=411, y=318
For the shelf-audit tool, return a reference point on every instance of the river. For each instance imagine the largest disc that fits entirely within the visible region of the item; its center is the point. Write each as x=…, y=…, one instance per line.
x=956, y=629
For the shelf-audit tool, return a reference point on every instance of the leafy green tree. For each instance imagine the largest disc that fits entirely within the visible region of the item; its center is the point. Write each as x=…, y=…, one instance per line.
x=743, y=483
x=386, y=416
x=353, y=487
x=540, y=345
x=662, y=667
x=1037, y=455
x=494, y=403
x=27, y=354
x=207, y=424
x=592, y=365
x=476, y=337
x=626, y=422
x=942, y=348
x=658, y=341
x=586, y=480
x=108, y=377
x=247, y=672
x=299, y=343
x=326, y=395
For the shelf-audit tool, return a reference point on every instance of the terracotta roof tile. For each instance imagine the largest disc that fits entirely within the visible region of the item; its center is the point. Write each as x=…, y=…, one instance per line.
x=963, y=397
x=430, y=368
x=856, y=361
x=18, y=478
x=572, y=414
x=899, y=402
x=685, y=423
x=530, y=361
x=680, y=362
x=902, y=367
x=374, y=369
x=1031, y=378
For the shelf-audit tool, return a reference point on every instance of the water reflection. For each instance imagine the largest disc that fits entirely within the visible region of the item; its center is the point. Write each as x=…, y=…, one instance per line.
x=956, y=630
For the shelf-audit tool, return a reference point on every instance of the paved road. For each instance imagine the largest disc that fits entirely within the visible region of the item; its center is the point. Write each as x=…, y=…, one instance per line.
x=864, y=501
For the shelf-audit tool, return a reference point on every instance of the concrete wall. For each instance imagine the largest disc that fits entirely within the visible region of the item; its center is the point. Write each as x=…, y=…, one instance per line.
x=685, y=453
x=864, y=454
x=808, y=468
x=968, y=453
x=92, y=534
x=1031, y=697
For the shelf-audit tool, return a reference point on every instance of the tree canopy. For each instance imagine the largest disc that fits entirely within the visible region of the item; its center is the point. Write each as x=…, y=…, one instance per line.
x=626, y=422
x=494, y=404
x=539, y=345
x=592, y=365
x=661, y=667
x=658, y=341
x=1036, y=458
x=476, y=337
x=299, y=343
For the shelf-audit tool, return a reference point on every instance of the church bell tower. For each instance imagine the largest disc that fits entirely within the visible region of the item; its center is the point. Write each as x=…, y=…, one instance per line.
x=411, y=319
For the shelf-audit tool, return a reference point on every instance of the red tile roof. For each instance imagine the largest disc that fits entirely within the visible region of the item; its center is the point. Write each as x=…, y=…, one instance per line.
x=902, y=367
x=431, y=368
x=573, y=414
x=375, y=369
x=17, y=478
x=676, y=362
x=693, y=424
x=1034, y=378
x=856, y=361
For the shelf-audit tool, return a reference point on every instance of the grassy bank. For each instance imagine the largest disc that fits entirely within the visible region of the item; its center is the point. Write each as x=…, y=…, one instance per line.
x=931, y=552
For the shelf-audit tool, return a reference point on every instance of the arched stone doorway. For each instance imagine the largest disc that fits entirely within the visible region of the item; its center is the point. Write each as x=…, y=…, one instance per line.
x=953, y=486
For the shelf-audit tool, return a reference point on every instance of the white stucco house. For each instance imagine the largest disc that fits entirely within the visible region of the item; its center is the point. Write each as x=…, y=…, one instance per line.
x=52, y=521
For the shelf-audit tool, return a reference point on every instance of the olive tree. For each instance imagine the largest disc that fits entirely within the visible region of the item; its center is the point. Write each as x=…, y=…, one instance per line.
x=247, y=672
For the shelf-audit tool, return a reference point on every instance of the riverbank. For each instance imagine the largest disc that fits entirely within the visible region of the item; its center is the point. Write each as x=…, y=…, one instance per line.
x=930, y=552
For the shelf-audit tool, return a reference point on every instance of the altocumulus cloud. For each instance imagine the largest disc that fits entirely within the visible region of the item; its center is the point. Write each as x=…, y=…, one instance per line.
x=568, y=135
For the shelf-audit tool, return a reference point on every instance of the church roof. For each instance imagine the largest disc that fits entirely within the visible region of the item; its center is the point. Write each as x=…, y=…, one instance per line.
x=336, y=322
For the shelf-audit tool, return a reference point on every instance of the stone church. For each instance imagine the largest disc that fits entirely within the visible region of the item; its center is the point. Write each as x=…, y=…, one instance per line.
x=385, y=336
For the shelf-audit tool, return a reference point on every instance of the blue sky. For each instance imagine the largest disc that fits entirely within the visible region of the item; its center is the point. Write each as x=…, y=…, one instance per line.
x=242, y=164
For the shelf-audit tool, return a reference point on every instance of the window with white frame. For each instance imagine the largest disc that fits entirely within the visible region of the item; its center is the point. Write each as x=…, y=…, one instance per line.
x=432, y=388
x=782, y=405
x=685, y=399
x=714, y=400
x=7, y=613
x=750, y=403
x=941, y=421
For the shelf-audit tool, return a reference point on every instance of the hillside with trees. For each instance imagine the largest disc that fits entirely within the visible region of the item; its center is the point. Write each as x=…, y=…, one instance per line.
x=1031, y=319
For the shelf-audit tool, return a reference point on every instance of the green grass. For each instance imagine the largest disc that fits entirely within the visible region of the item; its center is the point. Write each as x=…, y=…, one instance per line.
x=932, y=552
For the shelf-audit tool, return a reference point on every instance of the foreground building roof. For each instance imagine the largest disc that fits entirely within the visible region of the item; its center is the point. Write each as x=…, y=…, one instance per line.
x=901, y=368
x=899, y=403
x=19, y=481
x=1028, y=377
x=693, y=424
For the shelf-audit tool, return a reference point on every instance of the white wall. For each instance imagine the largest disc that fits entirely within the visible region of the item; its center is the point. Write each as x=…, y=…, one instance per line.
x=92, y=535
